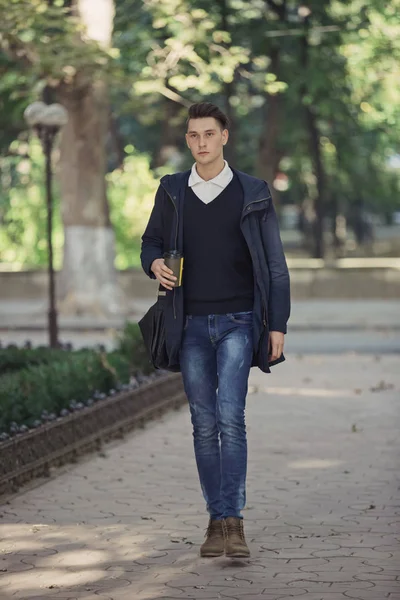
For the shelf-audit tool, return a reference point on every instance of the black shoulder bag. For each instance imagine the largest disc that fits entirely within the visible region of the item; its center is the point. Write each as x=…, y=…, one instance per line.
x=152, y=327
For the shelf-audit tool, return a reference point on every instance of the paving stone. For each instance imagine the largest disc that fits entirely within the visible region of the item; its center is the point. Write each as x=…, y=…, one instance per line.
x=340, y=564
x=268, y=595
x=326, y=577
x=376, y=577
x=384, y=588
x=129, y=526
x=366, y=595
x=313, y=596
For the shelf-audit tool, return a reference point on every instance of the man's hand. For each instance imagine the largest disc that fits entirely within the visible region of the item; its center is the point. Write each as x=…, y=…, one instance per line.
x=163, y=274
x=275, y=345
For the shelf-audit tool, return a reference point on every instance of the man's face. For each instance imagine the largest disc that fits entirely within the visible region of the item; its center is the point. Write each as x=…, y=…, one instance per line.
x=206, y=139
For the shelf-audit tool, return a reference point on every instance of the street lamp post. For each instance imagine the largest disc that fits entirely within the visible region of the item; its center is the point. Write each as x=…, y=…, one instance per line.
x=47, y=120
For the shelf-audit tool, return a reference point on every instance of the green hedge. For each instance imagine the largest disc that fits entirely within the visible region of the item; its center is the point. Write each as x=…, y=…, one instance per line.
x=13, y=358
x=25, y=394
x=130, y=344
x=42, y=380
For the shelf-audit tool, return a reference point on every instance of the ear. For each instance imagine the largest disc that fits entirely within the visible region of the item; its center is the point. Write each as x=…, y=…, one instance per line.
x=225, y=137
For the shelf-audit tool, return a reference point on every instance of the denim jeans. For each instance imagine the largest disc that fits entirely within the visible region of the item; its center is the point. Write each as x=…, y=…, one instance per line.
x=216, y=356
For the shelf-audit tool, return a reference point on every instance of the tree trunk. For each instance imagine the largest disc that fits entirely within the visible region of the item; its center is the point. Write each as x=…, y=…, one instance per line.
x=319, y=204
x=171, y=135
x=315, y=152
x=89, y=279
x=230, y=151
x=268, y=155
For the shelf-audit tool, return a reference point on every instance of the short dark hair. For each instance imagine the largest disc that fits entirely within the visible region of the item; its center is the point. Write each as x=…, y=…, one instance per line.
x=207, y=109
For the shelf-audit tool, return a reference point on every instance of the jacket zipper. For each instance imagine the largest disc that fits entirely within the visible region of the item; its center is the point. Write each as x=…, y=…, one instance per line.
x=264, y=317
x=176, y=242
x=176, y=210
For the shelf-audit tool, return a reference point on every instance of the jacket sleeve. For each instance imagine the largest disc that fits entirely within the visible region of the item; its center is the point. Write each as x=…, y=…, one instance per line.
x=279, y=294
x=152, y=239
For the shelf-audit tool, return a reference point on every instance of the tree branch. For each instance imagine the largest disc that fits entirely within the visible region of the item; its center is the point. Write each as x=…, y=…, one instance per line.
x=175, y=97
x=16, y=52
x=279, y=9
x=272, y=5
x=117, y=139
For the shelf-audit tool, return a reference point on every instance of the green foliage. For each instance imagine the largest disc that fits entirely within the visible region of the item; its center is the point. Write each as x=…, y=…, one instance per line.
x=13, y=359
x=130, y=344
x=50, y=40
x=25, y=394
x=23, y=213
x=42, y=379
x=182, y=48
x=168, y=54
x=16, y=88
x=23, y=242
x=131, y=192
x=187, y=52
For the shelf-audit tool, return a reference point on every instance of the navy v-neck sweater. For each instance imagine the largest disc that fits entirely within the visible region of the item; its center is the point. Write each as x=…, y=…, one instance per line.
x=218, y=271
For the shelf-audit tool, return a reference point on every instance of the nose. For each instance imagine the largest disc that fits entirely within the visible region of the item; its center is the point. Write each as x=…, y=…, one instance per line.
x=202, y=140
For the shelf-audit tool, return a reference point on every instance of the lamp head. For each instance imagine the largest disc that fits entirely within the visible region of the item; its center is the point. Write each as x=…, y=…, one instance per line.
x=40, y=114
x=34, y=112
x=55, y=115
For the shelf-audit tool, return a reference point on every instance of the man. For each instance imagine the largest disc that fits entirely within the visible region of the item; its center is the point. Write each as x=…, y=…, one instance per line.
x=229, y=314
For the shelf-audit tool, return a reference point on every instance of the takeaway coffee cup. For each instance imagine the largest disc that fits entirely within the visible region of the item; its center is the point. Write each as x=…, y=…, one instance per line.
x=174, y=261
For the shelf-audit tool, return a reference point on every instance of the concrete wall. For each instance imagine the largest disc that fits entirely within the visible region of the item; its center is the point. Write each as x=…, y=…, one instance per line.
x=348, y=278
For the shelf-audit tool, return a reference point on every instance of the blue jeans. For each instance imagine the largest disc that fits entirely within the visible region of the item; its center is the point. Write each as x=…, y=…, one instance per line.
x=216, y=356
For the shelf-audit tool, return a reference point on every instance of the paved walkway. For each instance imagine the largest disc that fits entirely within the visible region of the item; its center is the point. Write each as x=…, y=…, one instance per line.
x=323, y=513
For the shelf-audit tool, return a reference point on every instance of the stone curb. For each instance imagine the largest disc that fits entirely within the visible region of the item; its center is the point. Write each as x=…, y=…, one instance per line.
x=31, y=455
x=294, y=327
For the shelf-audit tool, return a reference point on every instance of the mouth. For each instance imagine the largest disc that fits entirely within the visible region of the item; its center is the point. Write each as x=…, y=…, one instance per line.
x=202, y=153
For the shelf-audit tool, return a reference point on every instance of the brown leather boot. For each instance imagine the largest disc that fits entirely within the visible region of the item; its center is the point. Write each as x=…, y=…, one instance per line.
x=214, y=544
x=235, y=542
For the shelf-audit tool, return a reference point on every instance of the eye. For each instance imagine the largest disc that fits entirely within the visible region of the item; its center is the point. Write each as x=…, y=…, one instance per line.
x=209, y=134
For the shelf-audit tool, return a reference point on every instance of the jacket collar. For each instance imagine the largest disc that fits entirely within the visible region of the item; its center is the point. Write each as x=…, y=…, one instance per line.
x=176, y=183
x=254, y=189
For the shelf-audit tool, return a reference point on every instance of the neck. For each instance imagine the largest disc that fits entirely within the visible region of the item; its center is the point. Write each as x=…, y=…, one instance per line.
x=210, y=171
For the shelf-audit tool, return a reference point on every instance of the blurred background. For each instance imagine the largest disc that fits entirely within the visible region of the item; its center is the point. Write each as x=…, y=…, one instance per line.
x=312, y=89
x=313, y=95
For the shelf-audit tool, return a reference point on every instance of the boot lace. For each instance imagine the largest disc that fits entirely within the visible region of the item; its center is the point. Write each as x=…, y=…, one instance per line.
x=213, y=527
x=235, y=527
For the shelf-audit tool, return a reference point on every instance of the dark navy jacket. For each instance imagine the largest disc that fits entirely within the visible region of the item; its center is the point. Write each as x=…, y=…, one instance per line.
x=260, y=228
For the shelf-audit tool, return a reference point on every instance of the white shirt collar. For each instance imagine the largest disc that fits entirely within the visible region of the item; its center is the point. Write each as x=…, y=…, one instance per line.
x=222, y=179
